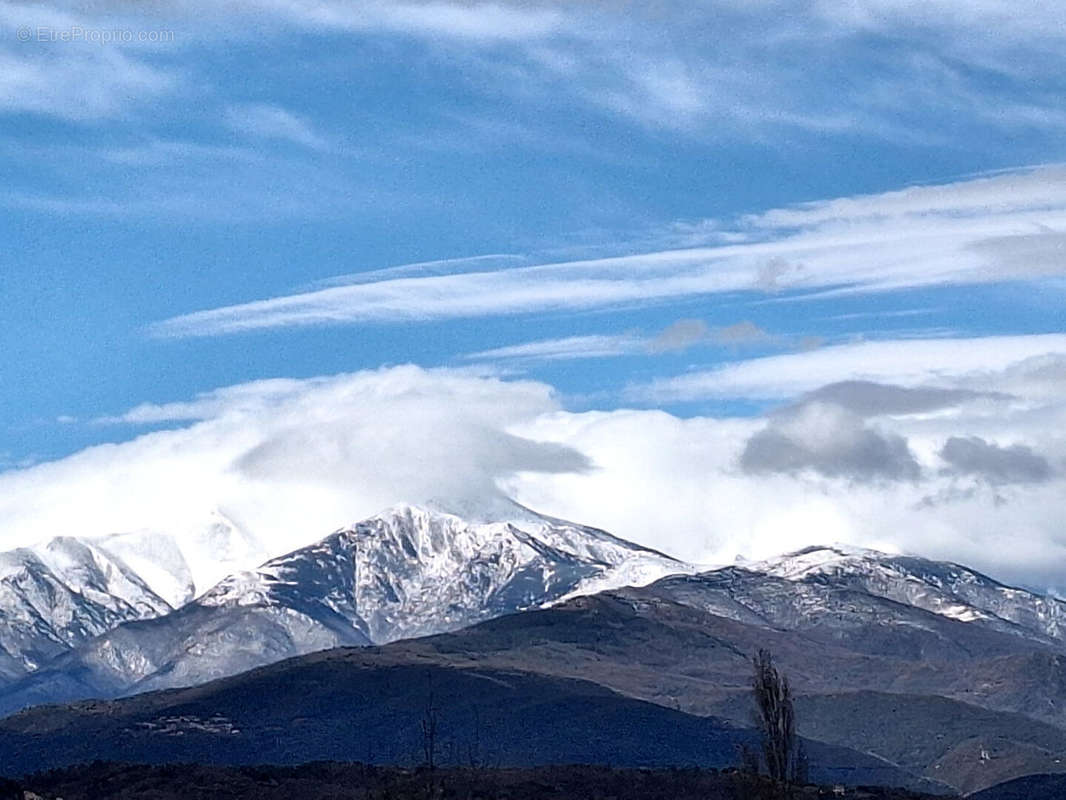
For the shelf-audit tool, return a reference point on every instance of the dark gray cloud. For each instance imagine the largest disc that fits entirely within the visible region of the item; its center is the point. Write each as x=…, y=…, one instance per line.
x=741, y=333
x=1025, y=255
x=771, y=276
x=972, y=455
x=869, y=399
x=831, y=441
x=680, y=336
x=686, y=333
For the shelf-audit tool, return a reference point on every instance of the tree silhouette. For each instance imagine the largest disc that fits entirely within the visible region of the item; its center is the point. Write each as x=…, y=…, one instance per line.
x=428, y=727
x=775, y=718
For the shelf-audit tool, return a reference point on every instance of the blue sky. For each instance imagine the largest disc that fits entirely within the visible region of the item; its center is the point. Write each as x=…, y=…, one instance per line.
x=251, y=156
x=619, y=201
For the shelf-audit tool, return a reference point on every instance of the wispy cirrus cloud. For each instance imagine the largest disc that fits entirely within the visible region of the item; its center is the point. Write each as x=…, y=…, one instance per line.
x=567, y=348
x=82, y=62
x=478, y=21
x=674, y=338
x=265, y=121
x=907, y=362
x=709, y=70
x=924, y=236
x=79, y=84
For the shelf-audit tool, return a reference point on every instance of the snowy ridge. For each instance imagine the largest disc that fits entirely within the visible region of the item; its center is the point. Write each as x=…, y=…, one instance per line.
x=57, y=595
x=62, y=593
x=181, y=564
x=412, y=571
x=407, y=572
x=943, y=588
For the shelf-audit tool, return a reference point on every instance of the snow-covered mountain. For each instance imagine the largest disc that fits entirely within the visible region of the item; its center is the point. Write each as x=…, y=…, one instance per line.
x=412, y=571
x=845, y=623
x=406, y=572
x=943, y=588
x=184, y=562
x=55, y=596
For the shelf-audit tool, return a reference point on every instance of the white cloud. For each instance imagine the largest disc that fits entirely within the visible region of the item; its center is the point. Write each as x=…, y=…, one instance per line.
x=78, y=83
x=1042, y=189
x=911, y=362
x=475, y=21
x=928, y=237
x=721, y=69
x=676, y=337
x=271, y=122
x=564, y=349
x=110, y=67
x=678, y=484
x=289, y=461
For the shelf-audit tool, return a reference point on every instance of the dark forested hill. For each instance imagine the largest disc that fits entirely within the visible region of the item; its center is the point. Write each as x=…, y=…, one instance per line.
x=361, y=705
x=325, y=781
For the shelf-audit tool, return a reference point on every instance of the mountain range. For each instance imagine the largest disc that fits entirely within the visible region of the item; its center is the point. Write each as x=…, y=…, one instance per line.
x=942, y=675
x=404, y=573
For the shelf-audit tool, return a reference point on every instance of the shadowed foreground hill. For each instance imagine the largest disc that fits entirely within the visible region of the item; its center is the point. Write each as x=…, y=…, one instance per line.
x=357, y=705
x=1031, y=787
x=358, y=782
x=969, y=747
x=944, y=691
x=927, y=667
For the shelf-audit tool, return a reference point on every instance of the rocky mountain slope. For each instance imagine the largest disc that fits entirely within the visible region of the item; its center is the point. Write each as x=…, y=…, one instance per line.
x=953, y=701
x=406, y=572
x=932, y=667
x=950, y=590
x=62, y=593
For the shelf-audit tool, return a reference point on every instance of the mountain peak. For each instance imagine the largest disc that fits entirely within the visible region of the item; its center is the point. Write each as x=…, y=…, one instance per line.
x=414, y=570
x=940, y=587
x=817, y=559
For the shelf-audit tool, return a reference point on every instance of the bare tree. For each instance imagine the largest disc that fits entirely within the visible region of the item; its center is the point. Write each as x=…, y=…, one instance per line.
x=473, y=748
x=749, y=759
x=775, y=718
x=428, y=725
x=803, y=765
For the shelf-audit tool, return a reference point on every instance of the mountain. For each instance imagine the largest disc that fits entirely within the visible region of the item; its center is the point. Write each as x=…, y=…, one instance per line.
x=928, y=693
x=369, y=705
x=55, y=596
x=413, y=571
x=181, y=562
x=60, y=594
x=403, y=573
x=933, y=668
x=947, y=589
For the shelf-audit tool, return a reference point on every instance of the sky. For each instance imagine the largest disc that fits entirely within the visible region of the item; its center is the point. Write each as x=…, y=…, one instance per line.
x=724, y=278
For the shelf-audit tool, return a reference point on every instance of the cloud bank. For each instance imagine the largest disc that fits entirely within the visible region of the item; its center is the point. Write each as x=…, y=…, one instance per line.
x=958, y=473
